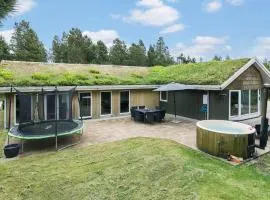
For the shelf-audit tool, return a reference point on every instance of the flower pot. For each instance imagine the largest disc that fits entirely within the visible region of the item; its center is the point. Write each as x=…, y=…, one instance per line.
x=11, y=150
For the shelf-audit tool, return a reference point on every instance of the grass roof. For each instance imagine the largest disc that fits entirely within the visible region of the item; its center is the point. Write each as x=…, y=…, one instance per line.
x=38, y=74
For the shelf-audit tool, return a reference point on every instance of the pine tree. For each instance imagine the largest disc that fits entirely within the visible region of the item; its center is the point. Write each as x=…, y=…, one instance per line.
x=101, y=53
x=25, y=44
x=6, y=6
x=137, y=54
x=151, y=56
x=162, y=53
x=4, y=49
x=118, y=53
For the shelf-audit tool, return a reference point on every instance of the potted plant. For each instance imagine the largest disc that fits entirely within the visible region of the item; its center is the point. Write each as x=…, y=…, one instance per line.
x=11, y=150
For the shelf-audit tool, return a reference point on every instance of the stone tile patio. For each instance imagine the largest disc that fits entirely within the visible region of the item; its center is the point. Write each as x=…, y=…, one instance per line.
x=101, y=131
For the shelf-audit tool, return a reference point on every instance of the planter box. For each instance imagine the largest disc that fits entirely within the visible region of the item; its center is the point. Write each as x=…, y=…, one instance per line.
x=11, y=150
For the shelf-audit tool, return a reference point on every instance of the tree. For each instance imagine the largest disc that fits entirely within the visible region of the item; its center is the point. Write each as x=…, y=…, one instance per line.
x=162, y=53
x=6, y=6
x=4, y=49
x=185, y=60
x=227, y=57
x=118, y=53
x=137, y=54
x=151, y=56
x=217, y=58
x=25, y=44
x=101, y=53
x=73, y=47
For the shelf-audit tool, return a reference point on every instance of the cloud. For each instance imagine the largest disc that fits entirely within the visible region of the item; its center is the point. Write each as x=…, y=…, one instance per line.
x=212, y=6
x=236, y=2
x=7, y=34
x=153, y=13
x=115, y=16
x=262, y=47
x=23, y=6
x=173, y=29
x=106, y=36
x=203, y=46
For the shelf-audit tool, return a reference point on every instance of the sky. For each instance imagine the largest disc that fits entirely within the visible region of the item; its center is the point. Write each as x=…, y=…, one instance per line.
x=199, y=28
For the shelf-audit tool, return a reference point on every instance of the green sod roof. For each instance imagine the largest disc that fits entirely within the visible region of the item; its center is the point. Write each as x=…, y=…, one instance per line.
x=43, y=74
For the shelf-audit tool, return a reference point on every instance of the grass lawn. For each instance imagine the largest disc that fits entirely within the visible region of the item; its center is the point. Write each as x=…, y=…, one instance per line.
x=133, y=169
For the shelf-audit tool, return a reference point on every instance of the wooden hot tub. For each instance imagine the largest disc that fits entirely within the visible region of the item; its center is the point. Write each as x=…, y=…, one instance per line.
x=220, y=138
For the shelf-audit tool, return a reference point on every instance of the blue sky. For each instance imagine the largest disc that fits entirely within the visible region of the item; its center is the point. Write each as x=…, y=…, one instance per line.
x=238, y=28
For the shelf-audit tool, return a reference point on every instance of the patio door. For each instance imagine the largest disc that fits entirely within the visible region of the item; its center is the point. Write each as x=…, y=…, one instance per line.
x=50, y=104
x=234, y=103
x=59, y=102
x=85, y=105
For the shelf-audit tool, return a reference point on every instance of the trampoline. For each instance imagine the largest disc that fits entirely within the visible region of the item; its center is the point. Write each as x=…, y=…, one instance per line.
x=44, y=114
x=46, y=129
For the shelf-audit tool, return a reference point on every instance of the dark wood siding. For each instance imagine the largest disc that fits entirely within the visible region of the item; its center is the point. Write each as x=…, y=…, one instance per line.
x=219, y=105
x=188, y=103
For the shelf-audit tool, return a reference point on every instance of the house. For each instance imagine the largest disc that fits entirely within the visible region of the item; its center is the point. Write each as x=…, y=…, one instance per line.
x=237, y=96
x=228, y=90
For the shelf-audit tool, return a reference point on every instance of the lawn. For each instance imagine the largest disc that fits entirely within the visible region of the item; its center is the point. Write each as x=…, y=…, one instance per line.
x=133, y=169
x=3, y=136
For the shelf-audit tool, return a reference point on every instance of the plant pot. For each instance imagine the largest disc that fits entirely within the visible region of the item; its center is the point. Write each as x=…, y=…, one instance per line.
x=11, y=150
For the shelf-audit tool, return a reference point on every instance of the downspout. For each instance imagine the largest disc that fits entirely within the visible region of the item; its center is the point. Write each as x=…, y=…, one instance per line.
x=264, y=120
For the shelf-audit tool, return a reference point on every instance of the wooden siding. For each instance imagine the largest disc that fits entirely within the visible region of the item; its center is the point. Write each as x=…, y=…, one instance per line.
x=147, y=98
x=250, y=79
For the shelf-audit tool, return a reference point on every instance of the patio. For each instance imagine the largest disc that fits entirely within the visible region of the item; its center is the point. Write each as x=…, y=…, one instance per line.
x=101, y=131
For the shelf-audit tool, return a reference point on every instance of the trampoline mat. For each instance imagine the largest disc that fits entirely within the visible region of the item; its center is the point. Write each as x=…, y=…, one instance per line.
x=46, y=129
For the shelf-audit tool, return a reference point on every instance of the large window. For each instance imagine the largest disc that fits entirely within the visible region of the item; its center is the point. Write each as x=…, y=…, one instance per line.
x=23, y=110
x=244, y=103
x=106, y=104
x=124, y=102
x=52, y=102
x=164, y=96
x=85, y=105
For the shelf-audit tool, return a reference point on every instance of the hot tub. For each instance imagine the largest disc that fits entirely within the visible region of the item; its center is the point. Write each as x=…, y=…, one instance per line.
x=220, y=138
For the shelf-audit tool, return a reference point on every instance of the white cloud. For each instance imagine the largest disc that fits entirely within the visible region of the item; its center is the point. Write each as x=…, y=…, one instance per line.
x=7, y=34
x=236, y=2
x=115, y=16
x=203, y=46
x=153, y=13
x=23, y=6
x=106, y=36
x=173, y=29
x=262, y=47
x=213, y=6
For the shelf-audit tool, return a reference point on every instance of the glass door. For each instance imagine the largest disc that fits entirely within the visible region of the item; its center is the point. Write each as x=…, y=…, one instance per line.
x=85, y=105
x=234, y=103
x=63, y=101
x=50, y=107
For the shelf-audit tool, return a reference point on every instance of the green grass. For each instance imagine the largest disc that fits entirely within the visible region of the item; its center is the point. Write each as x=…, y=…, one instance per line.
x=133, y=169
x=31, y=74
x=3, y=137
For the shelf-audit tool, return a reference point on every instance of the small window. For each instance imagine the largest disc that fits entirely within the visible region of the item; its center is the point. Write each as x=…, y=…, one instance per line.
x=164, y=96
x=124, y=102
x=106, y=104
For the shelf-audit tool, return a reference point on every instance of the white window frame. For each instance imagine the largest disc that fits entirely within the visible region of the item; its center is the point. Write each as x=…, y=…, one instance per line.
x=244, y=116
x=91, y=99
x=14, y=109
x=100, y=104
x=160, y=96
x=57, y=104
x=5, y=113
x=128, y=102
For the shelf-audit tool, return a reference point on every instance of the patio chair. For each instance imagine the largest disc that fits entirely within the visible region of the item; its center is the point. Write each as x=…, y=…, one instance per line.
x=132, y=111
x=150, y=117
x=157, y=116
x=139, y=117
x=141, y=107
x=163, y=113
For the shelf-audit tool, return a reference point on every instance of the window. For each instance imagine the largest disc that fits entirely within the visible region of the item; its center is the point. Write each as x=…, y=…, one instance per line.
x=164, y=96
x=60, y=101
x=254, y=101
x=124, y=102
x=234, y=103
x=85, y=105
x=63, y=105
x=23, y=110
x=106, y=107
x=244, y=103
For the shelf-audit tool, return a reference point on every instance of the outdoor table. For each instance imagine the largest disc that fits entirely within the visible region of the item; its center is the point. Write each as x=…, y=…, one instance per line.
x=145, y=111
